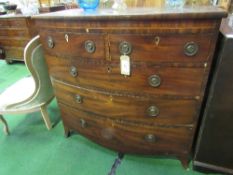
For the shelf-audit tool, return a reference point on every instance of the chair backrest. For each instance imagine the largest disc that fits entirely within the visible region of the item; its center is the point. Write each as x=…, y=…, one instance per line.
x=31, y=45
x=45, y=89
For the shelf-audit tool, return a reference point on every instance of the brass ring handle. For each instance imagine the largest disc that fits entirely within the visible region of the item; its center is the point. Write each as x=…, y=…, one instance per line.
x=125, y=48
x=50, y=42
x=79, y=99
x=90, y=46
x=191, y=49
x=73, y=71
x=153, y=111
x=154, y=80
x=150, y=138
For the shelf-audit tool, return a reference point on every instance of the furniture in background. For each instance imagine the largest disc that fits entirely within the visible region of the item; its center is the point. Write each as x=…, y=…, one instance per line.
x=56, y=5
x=31, y=93
x=151, y=3
x=226, y=4
x=134, y=81
x=144, y=3
x=215, y=138
x=15, y=32
x=51, y=8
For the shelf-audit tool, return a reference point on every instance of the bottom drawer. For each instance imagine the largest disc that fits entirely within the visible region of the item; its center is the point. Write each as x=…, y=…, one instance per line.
x=128, y=137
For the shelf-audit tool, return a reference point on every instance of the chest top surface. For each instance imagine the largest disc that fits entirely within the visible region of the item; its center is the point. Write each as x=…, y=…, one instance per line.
x=137, y=13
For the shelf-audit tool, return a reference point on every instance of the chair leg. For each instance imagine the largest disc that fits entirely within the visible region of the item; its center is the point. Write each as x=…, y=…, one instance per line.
x=45, y=116
x=5, y=129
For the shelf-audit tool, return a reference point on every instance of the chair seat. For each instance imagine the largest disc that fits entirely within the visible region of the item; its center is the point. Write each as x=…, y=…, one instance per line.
x=17, y=93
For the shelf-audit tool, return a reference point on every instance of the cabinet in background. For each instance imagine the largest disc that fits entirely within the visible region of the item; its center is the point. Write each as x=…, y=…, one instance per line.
x=215, y=139
x=15, y=32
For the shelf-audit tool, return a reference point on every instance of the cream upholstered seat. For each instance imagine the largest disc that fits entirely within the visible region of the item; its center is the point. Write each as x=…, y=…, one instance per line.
x=31, y=93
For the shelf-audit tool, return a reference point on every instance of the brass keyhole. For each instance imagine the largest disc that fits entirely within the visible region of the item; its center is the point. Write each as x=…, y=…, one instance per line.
x=109, y=69
x=157, y=40
x=67, y=38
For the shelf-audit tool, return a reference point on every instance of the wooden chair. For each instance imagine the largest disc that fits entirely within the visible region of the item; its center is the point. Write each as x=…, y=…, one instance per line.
x=31, y=93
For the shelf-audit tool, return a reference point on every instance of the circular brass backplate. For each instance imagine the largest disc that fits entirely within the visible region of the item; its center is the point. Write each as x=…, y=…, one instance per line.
x=191, y=48
x=154, y=80
x=153, y=111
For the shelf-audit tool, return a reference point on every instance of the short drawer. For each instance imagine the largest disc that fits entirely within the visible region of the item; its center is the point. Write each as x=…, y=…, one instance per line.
x=155, y=80
x=161, y=47
x=127, y=136
x=147, y=110
x=74, y=45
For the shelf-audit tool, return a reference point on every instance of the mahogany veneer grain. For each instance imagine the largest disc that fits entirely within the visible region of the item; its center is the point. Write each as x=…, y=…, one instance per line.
x=112, y=109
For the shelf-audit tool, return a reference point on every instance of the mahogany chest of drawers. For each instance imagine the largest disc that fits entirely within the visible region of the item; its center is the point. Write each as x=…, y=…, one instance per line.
x=15, y=32
x=153, y=109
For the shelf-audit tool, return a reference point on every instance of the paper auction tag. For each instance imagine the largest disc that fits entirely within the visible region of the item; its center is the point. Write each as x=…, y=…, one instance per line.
x=125, y=65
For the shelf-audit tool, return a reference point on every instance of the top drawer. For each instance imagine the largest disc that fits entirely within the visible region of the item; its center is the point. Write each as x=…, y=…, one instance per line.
x=161, y=48
x=74, y=45
x=147, y=48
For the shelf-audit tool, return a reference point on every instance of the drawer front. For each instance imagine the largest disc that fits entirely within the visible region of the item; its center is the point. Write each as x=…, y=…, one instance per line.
x=148, y=110
x=146, y=48
x=74, y=45
x=14, y=52
x=14, y=32
x=173, y=80
x=161, y=48
x=13, y=42
x=13, y=23
x=128, y=137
